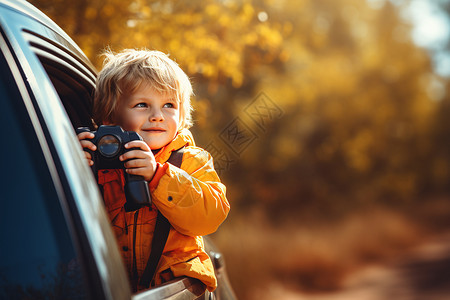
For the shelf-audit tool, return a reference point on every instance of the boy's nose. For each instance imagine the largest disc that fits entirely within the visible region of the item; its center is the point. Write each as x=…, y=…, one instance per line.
x=156, y=116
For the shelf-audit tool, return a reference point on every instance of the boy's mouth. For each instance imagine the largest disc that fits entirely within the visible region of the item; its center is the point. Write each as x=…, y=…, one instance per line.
x=155, y=130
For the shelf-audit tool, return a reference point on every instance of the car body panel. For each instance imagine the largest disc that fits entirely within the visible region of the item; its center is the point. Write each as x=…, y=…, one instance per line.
x=77, y=192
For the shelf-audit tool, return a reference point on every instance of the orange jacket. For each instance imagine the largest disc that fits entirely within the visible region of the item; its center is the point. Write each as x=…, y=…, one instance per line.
x=192, y=198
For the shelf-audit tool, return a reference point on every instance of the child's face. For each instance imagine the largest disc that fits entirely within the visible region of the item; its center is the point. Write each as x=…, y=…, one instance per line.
x=154, y=116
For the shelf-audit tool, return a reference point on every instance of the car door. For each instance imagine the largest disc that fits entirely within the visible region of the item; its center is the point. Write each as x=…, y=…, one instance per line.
x=56, y=238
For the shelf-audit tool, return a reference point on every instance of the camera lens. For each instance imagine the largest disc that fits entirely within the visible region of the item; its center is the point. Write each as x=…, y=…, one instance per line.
x=108, y=145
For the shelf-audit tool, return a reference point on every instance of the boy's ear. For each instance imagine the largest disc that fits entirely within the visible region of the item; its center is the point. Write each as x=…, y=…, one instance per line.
x=108, y=122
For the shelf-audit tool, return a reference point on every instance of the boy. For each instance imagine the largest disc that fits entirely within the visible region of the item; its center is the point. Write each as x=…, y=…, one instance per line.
x=146, y=92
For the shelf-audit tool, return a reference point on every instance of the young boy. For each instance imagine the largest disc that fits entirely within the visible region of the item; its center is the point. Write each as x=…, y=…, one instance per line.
x=146, y=92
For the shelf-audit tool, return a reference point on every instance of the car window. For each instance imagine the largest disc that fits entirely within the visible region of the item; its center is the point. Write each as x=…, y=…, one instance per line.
x=37, y=257
x=71, y=92
x=73, y=79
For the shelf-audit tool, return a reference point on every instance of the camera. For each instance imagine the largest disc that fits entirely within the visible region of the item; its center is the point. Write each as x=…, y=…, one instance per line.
x=110, y=142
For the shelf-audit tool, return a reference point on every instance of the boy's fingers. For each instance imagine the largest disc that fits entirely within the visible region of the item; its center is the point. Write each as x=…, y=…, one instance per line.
x=85, y=135
x=133, y=155
x=137, y=163
x=137, y=144
x=133, y=171
x=87, y=155
x=133, y=163
x=88, y=145
x=145, y=172
x=89, y=158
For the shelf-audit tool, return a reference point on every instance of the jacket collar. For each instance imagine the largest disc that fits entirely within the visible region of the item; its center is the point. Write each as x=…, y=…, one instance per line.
x=182, y=139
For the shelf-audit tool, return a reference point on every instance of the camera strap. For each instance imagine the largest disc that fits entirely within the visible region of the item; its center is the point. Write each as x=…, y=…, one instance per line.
x=161, y=232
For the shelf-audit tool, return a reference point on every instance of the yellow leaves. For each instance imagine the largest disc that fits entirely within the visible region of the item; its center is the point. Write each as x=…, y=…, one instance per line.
x=284, y=56
x=207, y=70
x=440, y=170
x=287, y=28
x=212, y=10
x=250, y=38
x=268, y=37
x=146, y=12
x=358, y=148
x=225, y=21
x=247, y=13
x=90, y=13
x=335, y=73
x=108, y=10
x=211, y=37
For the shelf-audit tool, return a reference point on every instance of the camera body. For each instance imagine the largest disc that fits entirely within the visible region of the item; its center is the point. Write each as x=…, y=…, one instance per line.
x=110, y=142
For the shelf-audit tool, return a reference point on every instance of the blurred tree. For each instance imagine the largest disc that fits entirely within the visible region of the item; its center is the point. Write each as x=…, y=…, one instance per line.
x=359, y=108
x=209, y=38
x=361, y=120
x=441, y=126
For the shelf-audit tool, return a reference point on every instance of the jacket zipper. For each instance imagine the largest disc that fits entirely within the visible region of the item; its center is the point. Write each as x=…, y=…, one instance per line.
x=135, y=272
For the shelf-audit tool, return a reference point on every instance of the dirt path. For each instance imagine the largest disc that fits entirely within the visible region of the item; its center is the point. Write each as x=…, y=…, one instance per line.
x=421, y=274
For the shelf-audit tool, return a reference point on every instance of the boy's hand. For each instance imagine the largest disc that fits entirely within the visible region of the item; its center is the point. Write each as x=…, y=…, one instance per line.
x=140, y=161
x=84, y=137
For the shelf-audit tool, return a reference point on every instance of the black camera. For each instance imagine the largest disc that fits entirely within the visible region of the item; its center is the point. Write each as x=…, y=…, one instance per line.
x=110, y=142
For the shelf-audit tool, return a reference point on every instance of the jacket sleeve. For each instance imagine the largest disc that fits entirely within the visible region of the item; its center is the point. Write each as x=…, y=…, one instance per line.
x=192, y=197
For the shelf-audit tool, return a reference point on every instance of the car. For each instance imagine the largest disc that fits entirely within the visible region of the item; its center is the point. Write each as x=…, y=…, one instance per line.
x=57, y=242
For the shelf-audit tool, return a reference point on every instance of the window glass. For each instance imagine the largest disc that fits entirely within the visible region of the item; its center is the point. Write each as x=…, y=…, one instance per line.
x=76, y=97
x=37, y=256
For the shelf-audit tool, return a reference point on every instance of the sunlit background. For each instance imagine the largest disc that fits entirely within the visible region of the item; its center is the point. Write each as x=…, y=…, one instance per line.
x=329, y=123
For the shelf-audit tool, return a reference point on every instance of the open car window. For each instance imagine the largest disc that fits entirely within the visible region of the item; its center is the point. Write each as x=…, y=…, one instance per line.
x=73, y=79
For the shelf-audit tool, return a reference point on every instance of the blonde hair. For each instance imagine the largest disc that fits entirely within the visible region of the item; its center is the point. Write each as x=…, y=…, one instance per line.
x=126, y=71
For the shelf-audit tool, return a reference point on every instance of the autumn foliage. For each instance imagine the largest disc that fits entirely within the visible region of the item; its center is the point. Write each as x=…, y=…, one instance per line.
x=315, y=111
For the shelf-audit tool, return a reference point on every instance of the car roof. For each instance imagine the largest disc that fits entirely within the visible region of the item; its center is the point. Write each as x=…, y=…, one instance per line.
x=28, y=9
x=32, y=12
x=26, y=27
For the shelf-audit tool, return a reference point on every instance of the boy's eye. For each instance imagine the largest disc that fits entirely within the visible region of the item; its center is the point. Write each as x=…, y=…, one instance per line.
x=141, y=105
x=169, y=105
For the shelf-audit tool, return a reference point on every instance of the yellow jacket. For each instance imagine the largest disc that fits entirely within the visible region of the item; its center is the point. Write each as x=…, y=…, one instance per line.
x=192, y=198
